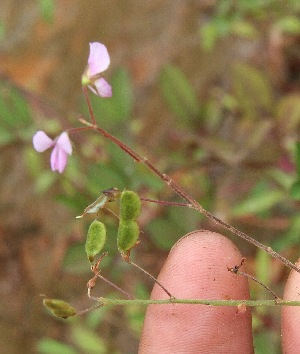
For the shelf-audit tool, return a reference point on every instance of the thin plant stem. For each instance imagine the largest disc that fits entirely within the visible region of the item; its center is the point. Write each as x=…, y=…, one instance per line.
x=259, y=282
x=77, y=130
x=150, y=276
x=82, y=312
x=163, y=202
x=180, y=191
x=115, y=286
x=236, y=270
x=87, y=98
x=250, y=303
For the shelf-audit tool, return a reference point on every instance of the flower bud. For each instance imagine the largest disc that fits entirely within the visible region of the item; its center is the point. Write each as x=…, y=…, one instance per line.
x=130, y=205
x=59, y=308
x=95, y=240
x=128, y=234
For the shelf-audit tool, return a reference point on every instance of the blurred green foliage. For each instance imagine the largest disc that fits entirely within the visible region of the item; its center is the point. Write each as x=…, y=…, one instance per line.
x=242, y=18
x=47, y=8
x=237, y=151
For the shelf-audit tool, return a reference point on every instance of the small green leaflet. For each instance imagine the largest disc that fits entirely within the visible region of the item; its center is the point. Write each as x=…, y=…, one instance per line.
x=106, y=196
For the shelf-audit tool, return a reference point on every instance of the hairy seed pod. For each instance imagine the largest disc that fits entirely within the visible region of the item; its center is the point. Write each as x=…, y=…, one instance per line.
x=128, y=234
x=95, y=240
x=130, y=205
x=59, y=308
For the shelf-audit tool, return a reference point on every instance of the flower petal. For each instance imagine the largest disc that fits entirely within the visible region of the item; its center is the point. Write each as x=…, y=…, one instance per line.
x=58, y=159
x=41, y=141
x=99, y=59
x=64, y=143
x=101, y=88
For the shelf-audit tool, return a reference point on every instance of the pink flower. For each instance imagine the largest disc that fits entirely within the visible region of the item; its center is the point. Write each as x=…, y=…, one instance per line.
x=61, y=148
x=98, y=62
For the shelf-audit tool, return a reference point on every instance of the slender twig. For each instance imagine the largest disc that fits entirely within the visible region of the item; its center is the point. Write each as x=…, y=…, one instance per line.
x=233, y=303
x=209, y=302
x=236, y=270
x=78, y=129
x=82, y=312
x=259, y=282
x=87, y=98
x=115, y=286
x=180, y=191
x=164, y=202
x=92, y=282
x=128, y=260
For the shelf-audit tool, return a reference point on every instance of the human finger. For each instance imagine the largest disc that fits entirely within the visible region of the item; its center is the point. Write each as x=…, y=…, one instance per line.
x=197, y=268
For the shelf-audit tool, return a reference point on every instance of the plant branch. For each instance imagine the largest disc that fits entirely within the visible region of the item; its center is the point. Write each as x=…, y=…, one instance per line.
x=250, y=303
x=180, y=191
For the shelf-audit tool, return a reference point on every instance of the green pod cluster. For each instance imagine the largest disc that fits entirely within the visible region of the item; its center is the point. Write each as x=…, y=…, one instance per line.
x=95, y=239
x=128, y=232
x=130, y=205
x=59, y=308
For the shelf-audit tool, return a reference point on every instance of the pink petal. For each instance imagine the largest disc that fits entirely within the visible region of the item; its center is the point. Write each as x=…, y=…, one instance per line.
x=64, y=143
x=58, y=159
x=99, y=59
x=41, y=141
x=101, y=88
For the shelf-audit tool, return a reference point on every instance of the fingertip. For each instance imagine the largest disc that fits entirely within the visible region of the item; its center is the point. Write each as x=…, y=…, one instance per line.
x=290, y=320
x=197, y=268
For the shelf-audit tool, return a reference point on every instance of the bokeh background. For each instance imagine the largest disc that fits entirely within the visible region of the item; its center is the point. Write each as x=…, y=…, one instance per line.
x=207, y=90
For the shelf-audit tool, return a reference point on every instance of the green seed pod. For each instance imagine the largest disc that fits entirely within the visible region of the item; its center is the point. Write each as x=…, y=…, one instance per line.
x=95, y=239
x=130, y=205
x=59, y=308
x=128, y=234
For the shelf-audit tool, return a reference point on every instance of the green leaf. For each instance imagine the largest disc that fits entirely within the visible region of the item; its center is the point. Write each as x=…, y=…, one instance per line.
x=289, y=24
x=209, y=35
x=45, y=179
x=298, y=158
x=47, y=8
x=253, y=90
x=123, y=94
x=284, y=180
x=116, y=109
x=2, y=30
x=75, y=259
x=6, y=136
x=51, y=346
x=33, y=161
x=88, y=341
x=288, y=112
x=6, y=112
x=295, y=190
x=178, y=93
x=244, y=29
x=263, y=269
x=163, y=233
x=14, y=109
x=102, y=176
x=258, y=201
x=20, y=108
x=290, y=238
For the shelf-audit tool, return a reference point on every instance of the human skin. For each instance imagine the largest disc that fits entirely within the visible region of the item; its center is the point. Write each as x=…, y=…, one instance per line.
x=197, y=269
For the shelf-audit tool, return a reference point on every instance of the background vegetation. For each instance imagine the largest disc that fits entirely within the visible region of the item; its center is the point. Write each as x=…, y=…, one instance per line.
x=207, y=90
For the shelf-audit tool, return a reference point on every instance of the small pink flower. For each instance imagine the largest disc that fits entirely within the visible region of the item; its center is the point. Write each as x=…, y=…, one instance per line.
x=61, y=148
x=98, y=62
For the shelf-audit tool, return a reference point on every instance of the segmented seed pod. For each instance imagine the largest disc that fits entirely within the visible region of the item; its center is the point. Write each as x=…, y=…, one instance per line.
x=95, y=239
x=59, y=308
x=128, y=234
x=130, y=205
